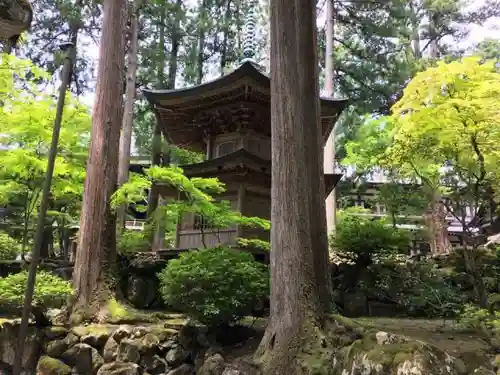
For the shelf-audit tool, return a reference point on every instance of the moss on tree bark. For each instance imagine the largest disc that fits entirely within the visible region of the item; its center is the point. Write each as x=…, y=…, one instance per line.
x=295, y=341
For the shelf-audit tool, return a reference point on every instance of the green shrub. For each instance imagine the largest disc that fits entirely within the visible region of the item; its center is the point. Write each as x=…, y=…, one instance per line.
x=132, y=241
x=50, y=291
x=359, y=238
x=9, y=248
x=479, y=319
x=216, y=287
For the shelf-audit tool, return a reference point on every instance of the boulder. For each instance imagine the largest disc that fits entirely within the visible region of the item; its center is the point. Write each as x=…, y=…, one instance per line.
x=9, y=337
x=188, y=337
x=154, y=364
x=176, y=356
x=184, y=369
x=119, y=368
x=129, y=351
x=84, y=358
x=52, y=366
x=483, y=371
x=56, y=348
x=96, y=339
x=55, y=332
x=388, y=354
x=213, y=365
x=122, y=332
x=142, y=292
x=110, y=350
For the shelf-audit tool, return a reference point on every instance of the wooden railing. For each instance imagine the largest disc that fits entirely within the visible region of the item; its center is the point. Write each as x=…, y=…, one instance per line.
x=194, y=239
x=137, y=225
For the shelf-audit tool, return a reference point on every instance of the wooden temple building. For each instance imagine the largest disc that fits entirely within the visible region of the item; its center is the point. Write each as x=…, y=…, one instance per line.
x=228, y=119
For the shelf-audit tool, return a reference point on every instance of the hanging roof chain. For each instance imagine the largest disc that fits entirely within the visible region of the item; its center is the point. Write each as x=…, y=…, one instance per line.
x=249, y=42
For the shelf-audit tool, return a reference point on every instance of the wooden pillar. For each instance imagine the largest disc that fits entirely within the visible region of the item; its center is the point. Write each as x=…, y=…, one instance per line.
x=210, y=146
x=240, y=206
x=178, y=227
x=159, y=233
x=156, y=160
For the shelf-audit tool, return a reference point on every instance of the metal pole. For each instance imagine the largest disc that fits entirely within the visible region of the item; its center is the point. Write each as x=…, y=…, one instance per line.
x=35, y=255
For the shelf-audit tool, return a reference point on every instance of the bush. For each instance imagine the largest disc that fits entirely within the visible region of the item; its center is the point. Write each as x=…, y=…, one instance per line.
x=132, y=241
x=9, y=248
x=475, y=318
x=50, y=291
x=359, y=238
x=215, y=287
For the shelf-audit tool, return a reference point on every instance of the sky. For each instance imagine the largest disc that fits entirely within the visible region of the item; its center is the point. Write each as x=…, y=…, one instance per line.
x=477, y=33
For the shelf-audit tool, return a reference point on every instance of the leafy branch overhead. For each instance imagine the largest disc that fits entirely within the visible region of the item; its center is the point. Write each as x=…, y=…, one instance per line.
x=195, y=196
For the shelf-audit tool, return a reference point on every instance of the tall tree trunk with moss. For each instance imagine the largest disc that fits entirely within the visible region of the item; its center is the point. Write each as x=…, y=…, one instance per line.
x=95, y=264
x=128, y=110
x=200, y=62
x=161, y=154
x=153, y=197
x=300, y=296
x=225, y=37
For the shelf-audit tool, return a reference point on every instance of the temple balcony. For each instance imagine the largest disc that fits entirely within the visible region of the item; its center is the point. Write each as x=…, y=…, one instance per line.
x=195, y=239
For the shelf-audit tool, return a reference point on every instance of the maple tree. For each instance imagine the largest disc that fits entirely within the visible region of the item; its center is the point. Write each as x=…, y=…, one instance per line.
x=27, y=113
x=444, y=133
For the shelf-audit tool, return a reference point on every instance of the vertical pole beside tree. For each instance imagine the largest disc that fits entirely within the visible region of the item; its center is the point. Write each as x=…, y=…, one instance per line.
x=128, y=111
x=329, y=153
x=68, y=48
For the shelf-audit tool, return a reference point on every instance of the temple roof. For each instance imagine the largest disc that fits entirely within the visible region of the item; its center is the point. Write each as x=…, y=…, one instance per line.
x=243, y=159
x=243, y=94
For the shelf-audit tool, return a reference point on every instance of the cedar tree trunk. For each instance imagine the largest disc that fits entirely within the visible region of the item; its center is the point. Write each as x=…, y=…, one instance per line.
x=300, y=294
x=96, y=255
x=128, y=110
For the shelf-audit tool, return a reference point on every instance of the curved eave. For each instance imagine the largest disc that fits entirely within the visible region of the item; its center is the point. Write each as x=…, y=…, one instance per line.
x=331, y=181
x=239, y=156
x=245, y=74
x=15, y=18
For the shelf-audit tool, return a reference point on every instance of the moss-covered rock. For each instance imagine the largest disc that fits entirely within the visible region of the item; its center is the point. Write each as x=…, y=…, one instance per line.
x=84, y=358
x=52, y=366
x=395, y=355
x=119, y=368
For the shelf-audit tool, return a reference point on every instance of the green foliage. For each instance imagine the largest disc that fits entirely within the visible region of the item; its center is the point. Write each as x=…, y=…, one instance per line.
x=131, y=241
x=216, y=286
x=195, y=197
x=479, y=319
x=27, y=113
x=428, y=291
x=359, y=238
x=50, y=291
x=413, y=288
x=254, y=243
x=9, y=247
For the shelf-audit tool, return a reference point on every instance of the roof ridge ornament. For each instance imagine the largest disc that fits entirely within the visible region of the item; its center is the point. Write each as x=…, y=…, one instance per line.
x=249, y=42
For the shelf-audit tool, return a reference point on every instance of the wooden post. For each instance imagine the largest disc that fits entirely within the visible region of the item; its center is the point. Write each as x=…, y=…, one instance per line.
x=240, y=206
x=159, y=233
x=210, y=146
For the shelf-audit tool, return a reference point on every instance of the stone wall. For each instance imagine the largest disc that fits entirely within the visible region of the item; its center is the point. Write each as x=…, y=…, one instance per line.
x=170, y=348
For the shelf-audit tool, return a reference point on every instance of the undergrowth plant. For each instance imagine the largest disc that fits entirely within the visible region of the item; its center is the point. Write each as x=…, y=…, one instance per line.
x=216, y=287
